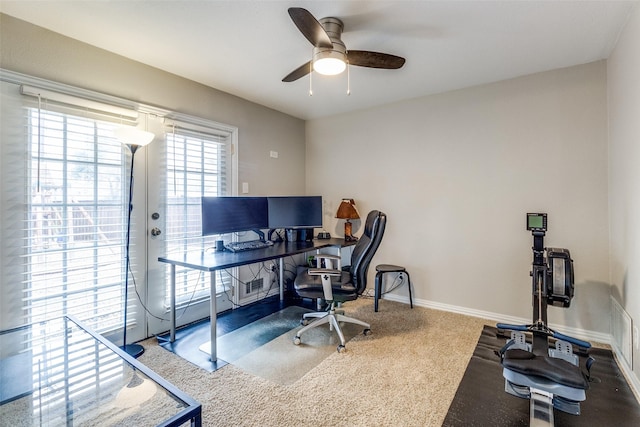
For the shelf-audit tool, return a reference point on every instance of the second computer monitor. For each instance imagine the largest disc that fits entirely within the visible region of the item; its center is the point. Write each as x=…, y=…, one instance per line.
x=295, y=212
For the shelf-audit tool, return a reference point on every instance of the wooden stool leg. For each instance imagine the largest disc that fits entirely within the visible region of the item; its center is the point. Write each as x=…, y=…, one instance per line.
x=378, y=286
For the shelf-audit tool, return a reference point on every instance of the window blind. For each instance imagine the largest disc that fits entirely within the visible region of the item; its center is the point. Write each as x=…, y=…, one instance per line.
x=197, y=159
x=63, y=228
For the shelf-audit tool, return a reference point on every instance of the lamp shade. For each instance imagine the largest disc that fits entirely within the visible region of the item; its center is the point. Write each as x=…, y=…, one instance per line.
x=347, y=210
x=133, y=136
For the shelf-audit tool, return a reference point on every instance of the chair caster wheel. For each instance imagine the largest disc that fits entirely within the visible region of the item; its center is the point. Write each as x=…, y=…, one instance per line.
x=296, y=340
x=366, y=332
x=341, y=349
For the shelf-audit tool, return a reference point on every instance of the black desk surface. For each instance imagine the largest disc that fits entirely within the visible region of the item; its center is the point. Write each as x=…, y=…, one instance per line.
x=211, y=261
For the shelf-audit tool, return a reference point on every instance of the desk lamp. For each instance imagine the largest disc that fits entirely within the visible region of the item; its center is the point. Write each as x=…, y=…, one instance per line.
x=347, y=210
x=133, y=138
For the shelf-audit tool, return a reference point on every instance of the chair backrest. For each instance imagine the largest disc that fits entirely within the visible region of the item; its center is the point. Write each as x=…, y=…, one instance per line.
x=366, y=247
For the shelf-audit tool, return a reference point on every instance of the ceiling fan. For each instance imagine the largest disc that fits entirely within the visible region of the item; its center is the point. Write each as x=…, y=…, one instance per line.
x=330, y=55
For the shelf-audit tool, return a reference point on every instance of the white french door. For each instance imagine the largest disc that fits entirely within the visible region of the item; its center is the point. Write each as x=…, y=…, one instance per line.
x=193, y=158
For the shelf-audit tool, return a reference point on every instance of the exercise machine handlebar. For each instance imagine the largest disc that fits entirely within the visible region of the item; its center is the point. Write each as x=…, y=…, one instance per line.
x=557, y=335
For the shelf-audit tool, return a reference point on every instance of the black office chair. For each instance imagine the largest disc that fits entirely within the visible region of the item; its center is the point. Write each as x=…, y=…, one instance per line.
x=336, y=285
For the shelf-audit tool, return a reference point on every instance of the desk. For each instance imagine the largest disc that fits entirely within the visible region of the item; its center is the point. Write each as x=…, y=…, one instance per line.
x=61, y=373
x=214, y=261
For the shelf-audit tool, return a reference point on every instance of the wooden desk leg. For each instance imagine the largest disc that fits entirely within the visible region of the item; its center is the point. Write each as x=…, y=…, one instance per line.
x=214, y=318
x=281, y=279
x=172, y=309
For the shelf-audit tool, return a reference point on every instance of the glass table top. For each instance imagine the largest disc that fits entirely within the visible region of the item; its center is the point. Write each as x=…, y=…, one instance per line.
x=59, y=373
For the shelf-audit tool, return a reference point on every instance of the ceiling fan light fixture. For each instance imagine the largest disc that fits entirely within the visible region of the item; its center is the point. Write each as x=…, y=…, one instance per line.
x=329, y=66
x=330, y=62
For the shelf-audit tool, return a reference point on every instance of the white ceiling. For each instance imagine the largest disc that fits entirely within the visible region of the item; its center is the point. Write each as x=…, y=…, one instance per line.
x=247, y=47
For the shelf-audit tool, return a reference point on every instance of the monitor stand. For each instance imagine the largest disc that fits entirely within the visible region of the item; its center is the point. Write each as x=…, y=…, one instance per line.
x=260, y=234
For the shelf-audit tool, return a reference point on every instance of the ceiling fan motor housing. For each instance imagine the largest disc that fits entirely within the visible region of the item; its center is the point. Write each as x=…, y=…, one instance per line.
x=333, y=28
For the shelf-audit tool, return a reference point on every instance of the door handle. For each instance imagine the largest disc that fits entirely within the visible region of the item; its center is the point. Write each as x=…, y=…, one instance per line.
x=155, y=231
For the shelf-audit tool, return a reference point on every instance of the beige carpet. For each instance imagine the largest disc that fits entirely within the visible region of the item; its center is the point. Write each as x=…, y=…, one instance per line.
x=404, y=374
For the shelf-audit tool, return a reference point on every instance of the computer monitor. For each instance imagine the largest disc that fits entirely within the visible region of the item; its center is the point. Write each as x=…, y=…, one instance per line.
x=222, y=215
x=295, y=212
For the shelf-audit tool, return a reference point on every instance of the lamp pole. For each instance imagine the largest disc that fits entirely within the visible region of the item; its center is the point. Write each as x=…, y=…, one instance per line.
x=134, y=350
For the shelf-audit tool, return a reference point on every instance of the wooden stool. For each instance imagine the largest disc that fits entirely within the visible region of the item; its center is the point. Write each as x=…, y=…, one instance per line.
x=381, y=270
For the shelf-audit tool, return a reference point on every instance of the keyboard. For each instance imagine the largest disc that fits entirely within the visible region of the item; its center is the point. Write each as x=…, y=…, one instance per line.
x=248, y=245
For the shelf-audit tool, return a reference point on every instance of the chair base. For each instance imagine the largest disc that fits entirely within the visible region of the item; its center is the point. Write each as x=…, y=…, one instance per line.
x=333, y=317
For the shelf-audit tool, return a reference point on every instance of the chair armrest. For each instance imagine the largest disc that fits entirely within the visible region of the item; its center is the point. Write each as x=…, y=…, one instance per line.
x=328, y=256
x=330, y=261
x=320, y=271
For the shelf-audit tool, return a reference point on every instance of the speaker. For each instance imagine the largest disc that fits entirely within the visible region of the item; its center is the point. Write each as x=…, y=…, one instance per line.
x=299, y=234
x=305, y=235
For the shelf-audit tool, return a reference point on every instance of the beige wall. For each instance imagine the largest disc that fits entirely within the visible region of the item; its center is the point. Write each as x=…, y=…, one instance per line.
x=623, y=69
x=38, y=52
x=457, y=172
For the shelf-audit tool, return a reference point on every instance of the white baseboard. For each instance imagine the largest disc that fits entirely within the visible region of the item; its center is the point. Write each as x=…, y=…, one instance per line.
x=631, y=378
x=604, y=338
x=582, y=334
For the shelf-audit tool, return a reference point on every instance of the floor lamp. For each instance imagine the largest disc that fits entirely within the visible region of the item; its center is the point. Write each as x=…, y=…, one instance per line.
x=133, y=138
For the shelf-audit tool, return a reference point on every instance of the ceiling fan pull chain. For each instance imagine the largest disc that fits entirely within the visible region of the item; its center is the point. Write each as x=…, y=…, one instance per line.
x=348, y=79
x=311, y=75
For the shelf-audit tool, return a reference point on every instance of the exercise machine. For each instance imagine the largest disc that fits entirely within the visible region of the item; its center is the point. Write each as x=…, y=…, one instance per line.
x=549, y=376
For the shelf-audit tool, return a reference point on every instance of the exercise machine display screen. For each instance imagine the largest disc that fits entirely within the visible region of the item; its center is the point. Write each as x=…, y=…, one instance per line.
x=537, y=221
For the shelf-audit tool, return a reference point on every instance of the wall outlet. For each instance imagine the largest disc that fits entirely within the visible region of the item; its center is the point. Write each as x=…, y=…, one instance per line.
x=636, y=338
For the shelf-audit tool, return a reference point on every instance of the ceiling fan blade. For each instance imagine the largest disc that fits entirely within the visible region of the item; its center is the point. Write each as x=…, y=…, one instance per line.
x=364, y=58
x=301, y=71
x=310, y=27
